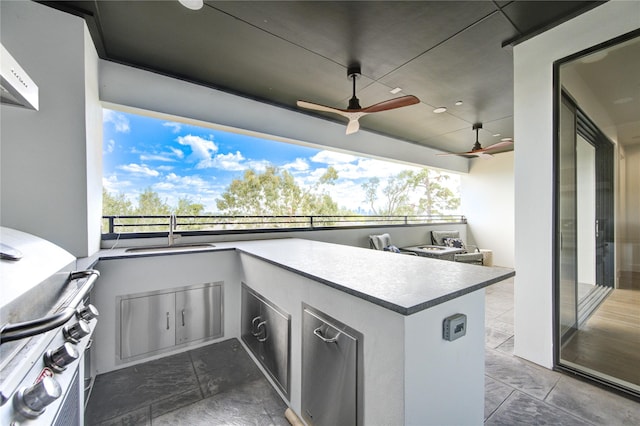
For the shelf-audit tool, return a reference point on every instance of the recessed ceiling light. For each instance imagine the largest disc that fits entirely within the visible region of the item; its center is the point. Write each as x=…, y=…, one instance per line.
x=440, y=110
x=192, y=4
x=496, y=135
x=396, y=90
x=458, y=103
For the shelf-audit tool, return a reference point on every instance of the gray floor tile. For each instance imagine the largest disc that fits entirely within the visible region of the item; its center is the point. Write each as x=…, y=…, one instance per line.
x=522, y=375
x=176, y=401
x=128, y=389
x=240, y=406
x=594, y=404
x=223, y=366
x=507, y=346
x=139, y=417
x=521, y=409
x=494, y=338
x=495, y=393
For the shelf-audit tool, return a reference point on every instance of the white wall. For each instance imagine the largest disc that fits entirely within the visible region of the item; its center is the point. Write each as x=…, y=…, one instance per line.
x=47, y=187
x=488, y=203
x=533, y=165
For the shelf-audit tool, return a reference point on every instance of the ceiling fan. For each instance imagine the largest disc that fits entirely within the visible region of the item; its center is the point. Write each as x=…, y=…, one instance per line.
x=478, y=150
x=354, y=111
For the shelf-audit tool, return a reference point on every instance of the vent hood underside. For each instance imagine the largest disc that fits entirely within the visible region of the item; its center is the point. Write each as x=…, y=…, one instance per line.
x=17, y=88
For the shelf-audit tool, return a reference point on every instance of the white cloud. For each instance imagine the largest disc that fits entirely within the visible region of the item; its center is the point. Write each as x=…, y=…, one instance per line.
x=258, y=165
x=230, y=161
x=177, y=152
x=202, y=150
x=155, y=157
x=110, y=145
x=113, y=185
x=139, y=169
x=176, y=127
x=119, y=121
x=331, y=157
x=299, y=165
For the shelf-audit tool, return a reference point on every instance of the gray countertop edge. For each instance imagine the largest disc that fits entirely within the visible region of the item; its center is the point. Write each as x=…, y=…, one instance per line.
x=119, y=254
x=380, y=302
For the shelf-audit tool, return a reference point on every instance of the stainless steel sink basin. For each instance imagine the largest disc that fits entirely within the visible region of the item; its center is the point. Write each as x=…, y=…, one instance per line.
x=176, y=247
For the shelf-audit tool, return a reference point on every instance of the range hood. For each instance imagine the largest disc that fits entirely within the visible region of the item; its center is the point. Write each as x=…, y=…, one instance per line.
x=17, y=87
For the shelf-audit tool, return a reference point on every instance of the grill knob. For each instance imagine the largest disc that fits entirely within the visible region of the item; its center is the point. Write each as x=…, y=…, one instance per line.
x=73, y=333
x=58, y=359
x=87, y=313
x=31, y=402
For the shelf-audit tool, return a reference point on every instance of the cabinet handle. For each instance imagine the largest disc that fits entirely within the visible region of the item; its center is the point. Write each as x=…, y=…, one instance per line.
x=318, y=333
x=264, y=328
x=254, y=328
x=167, y=320
x=183, y=317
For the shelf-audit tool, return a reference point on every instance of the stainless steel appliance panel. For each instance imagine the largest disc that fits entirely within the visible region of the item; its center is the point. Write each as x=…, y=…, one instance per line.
x=198, y=313
x=250, y=313
x=330, y=371
x=266, y=330
x=275, y=345
x=147, y=324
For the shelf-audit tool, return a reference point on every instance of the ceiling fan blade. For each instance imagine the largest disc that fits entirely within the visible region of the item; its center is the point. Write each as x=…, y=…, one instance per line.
x=498, y=145
x=353, y=126
x=400, y=102
x=318, y=107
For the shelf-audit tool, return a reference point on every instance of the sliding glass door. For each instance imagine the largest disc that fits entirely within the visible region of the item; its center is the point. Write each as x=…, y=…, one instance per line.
x=597, y=225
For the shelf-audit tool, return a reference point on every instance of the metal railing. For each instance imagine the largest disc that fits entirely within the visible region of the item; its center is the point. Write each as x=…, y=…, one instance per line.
x=117, y=226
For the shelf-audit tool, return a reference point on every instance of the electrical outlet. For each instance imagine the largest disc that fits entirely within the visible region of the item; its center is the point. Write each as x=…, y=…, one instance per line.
x=454, y=327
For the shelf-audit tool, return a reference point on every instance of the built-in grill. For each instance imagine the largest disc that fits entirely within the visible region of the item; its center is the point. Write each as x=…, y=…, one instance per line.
x=46, y=326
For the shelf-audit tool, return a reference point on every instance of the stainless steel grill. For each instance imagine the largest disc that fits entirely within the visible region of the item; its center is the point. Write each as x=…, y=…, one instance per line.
x=46, y=325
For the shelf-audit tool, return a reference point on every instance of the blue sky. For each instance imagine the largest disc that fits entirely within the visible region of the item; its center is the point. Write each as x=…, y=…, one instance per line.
x=176, y=160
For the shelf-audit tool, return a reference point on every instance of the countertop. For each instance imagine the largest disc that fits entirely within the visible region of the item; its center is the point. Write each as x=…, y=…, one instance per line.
x=402, y=283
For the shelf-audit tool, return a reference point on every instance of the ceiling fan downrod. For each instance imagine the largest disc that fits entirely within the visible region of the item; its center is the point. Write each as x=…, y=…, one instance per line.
x=477, y=146
x=353, y=73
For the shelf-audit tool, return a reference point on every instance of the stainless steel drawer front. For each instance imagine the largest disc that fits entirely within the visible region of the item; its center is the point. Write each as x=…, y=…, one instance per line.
x=330, y=371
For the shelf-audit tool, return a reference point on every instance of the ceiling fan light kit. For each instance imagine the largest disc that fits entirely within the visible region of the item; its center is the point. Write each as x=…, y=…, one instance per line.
x=354, y=111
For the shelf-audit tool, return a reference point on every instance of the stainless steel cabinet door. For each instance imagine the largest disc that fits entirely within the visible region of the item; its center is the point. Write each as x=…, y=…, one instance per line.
x=266, y=330
x=146, y=324
x=275, y=345
x=329, y=373
x=250, y=322
x=198, y=313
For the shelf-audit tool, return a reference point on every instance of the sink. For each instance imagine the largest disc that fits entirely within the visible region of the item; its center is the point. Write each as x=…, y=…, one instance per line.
x=175, y=247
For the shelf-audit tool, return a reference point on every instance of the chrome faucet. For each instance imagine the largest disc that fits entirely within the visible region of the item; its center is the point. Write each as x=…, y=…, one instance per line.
x=173, y=224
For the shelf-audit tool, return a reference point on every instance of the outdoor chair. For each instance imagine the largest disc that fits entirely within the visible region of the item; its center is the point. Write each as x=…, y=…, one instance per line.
x=452, y=239
x=383, y=242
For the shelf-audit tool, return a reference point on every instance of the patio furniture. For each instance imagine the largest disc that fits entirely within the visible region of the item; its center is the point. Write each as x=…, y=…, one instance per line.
x=383, y=242
x=452, y=239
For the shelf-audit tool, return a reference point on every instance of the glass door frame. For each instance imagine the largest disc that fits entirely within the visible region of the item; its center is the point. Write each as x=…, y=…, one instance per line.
x=556, y=246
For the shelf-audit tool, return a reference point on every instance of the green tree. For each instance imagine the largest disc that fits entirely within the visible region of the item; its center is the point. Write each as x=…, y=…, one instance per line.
x=150, y=204
x=275, y=193
x=186, y=207
x=114, y=205
x=436, y=198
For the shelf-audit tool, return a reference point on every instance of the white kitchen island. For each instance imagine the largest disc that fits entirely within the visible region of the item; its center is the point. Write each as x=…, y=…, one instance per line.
x=410, y=374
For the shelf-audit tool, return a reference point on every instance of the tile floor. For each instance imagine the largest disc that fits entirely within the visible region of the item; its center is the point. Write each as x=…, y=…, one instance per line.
x=518, y=392
x=191, y=389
